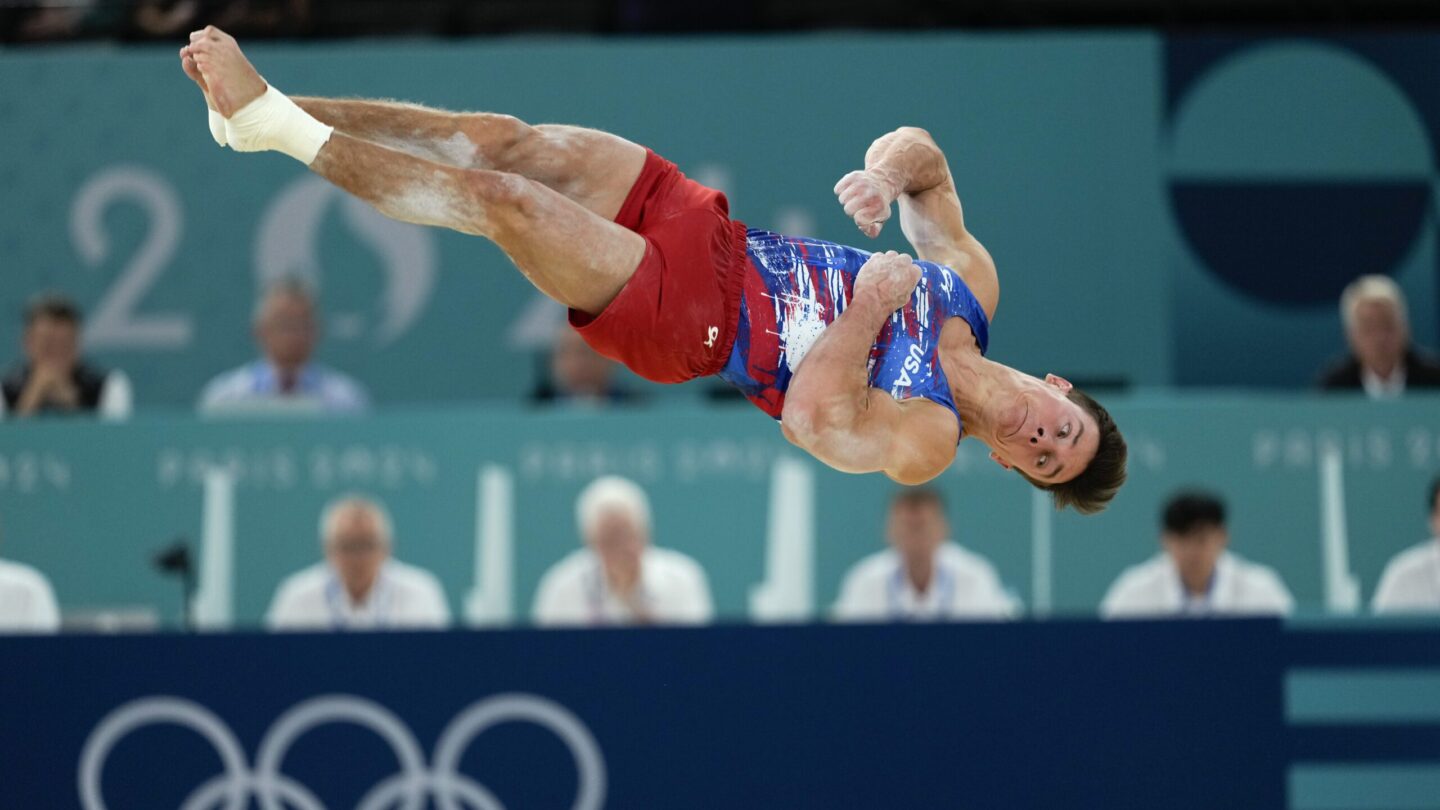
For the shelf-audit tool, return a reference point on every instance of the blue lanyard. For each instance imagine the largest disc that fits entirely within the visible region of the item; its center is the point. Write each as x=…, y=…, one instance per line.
x=943, y=587
x=334, y=601
x=1203, y=603
x=595, y=593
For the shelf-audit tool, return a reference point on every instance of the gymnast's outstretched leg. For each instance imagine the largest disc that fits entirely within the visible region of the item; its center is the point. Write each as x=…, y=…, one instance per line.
x=557, y=232
x=593, y=168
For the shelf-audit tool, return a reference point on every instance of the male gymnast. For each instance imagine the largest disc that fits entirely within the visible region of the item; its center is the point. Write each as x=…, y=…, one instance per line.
x=656, y=275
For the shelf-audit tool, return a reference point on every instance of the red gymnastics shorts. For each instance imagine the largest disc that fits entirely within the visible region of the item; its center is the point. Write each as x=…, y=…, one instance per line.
x=675, y=319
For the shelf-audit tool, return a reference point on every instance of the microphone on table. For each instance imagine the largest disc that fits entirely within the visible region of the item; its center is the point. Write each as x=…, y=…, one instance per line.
x=175, y=560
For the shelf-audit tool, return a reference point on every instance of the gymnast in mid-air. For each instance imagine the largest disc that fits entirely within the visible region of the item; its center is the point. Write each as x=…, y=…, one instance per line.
x=872, y=362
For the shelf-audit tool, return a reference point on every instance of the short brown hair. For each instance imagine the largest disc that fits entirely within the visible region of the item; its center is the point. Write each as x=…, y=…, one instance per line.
x=1093, y=489
x=51, y=306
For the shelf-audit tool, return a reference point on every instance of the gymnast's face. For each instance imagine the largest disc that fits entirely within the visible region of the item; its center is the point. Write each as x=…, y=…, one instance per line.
x=1042, y=433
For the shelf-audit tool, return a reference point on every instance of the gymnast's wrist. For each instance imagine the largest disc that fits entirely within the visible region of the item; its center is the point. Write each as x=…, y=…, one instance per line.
x=890, y=182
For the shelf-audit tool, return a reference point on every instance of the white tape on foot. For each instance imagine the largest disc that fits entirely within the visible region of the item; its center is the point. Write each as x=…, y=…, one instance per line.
x=273, y=122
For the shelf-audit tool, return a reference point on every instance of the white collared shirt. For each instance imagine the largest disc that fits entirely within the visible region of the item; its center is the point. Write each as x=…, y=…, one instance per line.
x=256, y=387
x=672, y=590
x=964, y=585
x=403, y=597
x=1238, y=588
x=1411, y=582
x=27, y=603
x=1377, y=387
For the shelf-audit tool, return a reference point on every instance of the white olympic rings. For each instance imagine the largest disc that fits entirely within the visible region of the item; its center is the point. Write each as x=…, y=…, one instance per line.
x=407, y=789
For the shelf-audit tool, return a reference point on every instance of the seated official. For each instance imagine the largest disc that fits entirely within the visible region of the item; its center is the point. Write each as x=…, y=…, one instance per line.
x=1383, y=362
x=1195, y=574
x=1411, y=582
x=359, y=586
x=921, y=577
x=619, y=577
x=577, y=376
x=285, y=379
x=53, y=380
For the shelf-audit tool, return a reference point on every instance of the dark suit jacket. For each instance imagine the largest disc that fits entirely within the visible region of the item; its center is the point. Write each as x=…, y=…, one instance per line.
x=1422, y=370
x=89, y=383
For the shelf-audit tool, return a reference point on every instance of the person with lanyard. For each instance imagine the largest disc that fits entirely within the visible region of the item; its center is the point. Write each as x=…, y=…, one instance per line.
x=1411, y=582
x=359, y=585
x=286, y=378
x=618, y=577
x=1195, y=574
x=922, y=576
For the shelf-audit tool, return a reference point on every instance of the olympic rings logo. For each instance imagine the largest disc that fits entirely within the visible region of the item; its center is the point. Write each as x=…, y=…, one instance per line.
x=407, y=789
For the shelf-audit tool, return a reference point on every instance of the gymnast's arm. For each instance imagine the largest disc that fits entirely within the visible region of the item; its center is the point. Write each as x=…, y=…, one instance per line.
x=832, y=412
x=906, y=165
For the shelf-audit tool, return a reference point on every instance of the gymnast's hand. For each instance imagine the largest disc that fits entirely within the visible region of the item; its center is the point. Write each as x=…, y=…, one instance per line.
x=888, y=279
x=867, y=195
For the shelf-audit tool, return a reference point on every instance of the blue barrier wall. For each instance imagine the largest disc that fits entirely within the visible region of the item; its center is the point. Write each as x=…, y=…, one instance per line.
x=1180, y=715
x=1034, y=716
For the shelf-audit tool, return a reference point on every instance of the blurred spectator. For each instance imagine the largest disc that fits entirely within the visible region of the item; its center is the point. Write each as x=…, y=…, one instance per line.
x=53, y=378
x=618, y=577
x=578, y=376
x=1195, y=575
x=921, y=577
x=166, y=18
x=1382, y=360
x=172, y=18
x=1411, y=582
x=358, y=586
x=27, y=604
x=47, y=21
x=286, y=329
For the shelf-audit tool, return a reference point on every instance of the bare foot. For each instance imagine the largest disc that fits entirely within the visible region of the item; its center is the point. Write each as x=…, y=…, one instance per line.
x=230, y=78
x=187, y=64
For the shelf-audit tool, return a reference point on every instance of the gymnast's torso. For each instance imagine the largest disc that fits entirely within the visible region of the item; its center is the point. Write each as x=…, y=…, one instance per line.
x=797, y=286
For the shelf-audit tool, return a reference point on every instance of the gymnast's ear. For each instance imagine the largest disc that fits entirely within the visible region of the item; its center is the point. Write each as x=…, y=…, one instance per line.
x=995, y=457
x=1059, y=382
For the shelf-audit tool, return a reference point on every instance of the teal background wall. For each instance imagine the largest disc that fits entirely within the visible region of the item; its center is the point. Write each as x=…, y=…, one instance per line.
x=1068, y=150
x=89, y=503
x=1163, y=210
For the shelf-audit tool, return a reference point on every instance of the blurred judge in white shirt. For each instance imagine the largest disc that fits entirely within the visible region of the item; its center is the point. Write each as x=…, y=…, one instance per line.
x=27, y=604
x=1411, y=582
x=1194, y=575
x=921, y=577
x=618, y=577
x=358, y=586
